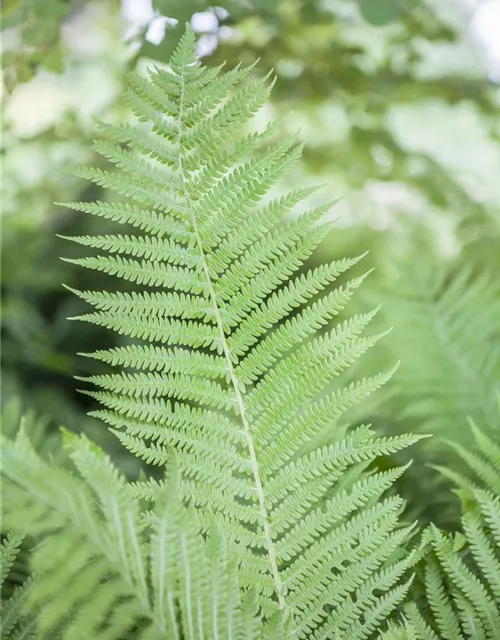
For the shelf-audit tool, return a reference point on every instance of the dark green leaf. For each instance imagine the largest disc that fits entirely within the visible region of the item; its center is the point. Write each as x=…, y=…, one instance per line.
x=379, y=12
x=265, y=5
x=54, y=9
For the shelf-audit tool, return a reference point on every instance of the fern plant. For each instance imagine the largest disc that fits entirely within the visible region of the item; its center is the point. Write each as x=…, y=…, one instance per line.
x=447, y=339
x=103, y=571
x=15, y=620
x=462, y=570
x=231, y=352
x=270, y=519
x=482, y=464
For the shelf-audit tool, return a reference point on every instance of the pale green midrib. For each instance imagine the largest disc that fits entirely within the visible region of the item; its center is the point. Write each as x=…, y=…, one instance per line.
x=234, y=380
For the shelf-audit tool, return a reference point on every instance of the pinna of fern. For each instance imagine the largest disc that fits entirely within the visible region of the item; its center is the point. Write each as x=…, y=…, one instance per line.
x=103, y=572
x=461, y=572
x=446, y=335
x=402, y=631
x=481, y=464
x=232, y=350
x=15, y=620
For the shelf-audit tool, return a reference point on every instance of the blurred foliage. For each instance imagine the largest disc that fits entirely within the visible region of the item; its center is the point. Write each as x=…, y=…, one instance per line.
x=400, y=120
x=38, y=23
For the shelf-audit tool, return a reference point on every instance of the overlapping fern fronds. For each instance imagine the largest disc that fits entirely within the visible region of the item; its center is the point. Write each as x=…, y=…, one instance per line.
x=15, y=620
x=403, y=631
x=482, y=464
x=447, y=337
x=103, y=572
x=231, y=350
x=462, y=570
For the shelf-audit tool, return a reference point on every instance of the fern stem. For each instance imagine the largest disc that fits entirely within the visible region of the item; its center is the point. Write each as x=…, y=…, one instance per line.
x=271, y=549
x=248, y=435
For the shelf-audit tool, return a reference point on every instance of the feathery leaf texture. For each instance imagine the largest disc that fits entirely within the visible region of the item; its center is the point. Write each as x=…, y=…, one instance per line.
x=462, y=570
x=457, y=372
x=482, y=463
x=15, y=620
x=232, y=352
x=102, y=572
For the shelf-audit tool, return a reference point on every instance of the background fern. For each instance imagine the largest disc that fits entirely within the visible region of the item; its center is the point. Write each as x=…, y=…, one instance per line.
x=455, y=316
x=446, y=334
x=462, y=570
x=15, y=621
x=102, y=571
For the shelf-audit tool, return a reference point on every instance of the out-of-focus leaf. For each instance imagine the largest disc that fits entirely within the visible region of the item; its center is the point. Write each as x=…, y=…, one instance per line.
x=54, y=60
x=37, y=33
x=182, y=10
x=265, y=5
x=379, y=12
x=9, y=7
x=8, y=58
x=26, y=68
x=38, y=23
x=51, y=9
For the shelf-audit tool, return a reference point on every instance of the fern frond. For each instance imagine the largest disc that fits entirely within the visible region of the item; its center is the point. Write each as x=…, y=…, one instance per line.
x=15, y=620
x=462, y=572
x=8, y=553
x=461, y=580
x=148, y=247
x=483, y=462
x=404, y=632
x=240, y=364
x=102, y=572
x=455, y=370
x=144, y=219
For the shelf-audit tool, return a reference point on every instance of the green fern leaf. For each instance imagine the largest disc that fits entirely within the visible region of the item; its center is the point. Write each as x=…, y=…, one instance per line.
x=484, y=463
x=15, y=620
x=103, y=571
x=453, y=318
x=462, y=571
x=236, y=353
